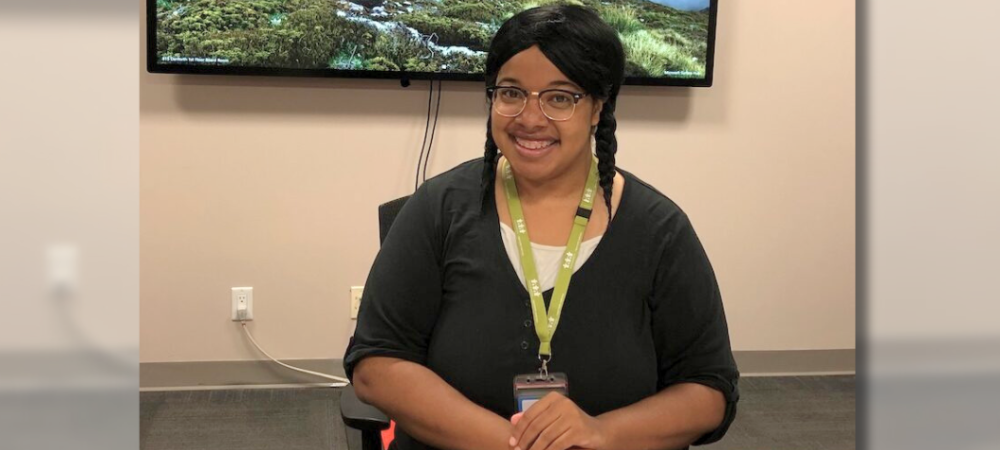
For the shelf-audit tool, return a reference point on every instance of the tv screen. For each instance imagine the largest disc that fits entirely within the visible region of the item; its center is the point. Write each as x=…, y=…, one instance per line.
x=667, y=42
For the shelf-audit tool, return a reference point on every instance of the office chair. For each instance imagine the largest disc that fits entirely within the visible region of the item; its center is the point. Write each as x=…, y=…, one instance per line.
x=357, y=414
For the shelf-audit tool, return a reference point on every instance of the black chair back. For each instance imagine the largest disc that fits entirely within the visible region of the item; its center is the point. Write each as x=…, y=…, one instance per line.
x=357, y=414
x=387, y=213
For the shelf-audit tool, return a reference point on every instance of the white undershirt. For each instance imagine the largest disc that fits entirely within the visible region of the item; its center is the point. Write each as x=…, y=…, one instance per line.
x=548, y=258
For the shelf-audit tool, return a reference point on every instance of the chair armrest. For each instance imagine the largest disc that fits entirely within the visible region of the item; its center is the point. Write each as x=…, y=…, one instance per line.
x=360, y=415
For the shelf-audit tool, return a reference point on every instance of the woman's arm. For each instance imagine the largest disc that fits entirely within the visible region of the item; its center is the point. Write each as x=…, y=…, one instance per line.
x=673, y=418
x=426, y=407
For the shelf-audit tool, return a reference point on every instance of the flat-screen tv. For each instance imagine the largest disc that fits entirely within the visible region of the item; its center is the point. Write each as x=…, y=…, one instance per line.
x=667, y=42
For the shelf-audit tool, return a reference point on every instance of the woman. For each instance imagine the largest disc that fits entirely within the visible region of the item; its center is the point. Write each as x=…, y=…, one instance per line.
x=470, y=287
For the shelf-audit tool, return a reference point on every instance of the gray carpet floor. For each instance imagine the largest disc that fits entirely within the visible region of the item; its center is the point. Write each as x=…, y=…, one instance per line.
x=806, y=413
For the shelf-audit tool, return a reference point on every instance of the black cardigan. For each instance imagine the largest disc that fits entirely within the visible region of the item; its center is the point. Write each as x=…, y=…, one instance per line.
x=642, y=313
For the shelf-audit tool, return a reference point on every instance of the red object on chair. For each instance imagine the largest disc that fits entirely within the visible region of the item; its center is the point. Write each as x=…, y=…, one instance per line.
x=389, y=434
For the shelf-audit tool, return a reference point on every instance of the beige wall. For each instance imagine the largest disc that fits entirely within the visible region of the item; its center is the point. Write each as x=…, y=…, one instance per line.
x=274, y=183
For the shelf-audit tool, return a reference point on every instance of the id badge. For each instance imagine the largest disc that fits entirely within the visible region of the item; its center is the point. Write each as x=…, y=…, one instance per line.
x=530, y=388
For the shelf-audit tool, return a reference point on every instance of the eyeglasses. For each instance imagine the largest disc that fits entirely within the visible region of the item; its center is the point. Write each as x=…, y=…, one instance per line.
x=557, y=104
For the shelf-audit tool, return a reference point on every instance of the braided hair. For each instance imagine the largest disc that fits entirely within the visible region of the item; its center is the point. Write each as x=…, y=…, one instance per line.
x=585, y=49
x=489, y=161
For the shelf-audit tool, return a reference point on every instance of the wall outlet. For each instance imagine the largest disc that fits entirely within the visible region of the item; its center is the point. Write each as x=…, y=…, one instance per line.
x=242, y=304
x=63, y=269
x=356, y=292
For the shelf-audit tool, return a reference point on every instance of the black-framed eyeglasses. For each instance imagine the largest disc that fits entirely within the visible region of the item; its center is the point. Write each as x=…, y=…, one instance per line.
x=557, y=104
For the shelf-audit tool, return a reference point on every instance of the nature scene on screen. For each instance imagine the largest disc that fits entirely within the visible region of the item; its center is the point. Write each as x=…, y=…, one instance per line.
x=662, y=38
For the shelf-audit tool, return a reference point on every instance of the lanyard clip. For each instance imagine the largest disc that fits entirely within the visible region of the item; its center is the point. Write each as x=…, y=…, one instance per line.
x=544, y=370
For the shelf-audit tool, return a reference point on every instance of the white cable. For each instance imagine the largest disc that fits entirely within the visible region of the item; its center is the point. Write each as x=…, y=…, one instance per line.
x=341, y=382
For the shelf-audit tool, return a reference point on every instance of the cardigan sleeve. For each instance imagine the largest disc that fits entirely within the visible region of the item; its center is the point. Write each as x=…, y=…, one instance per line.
x=402, y=295
x=689, y=323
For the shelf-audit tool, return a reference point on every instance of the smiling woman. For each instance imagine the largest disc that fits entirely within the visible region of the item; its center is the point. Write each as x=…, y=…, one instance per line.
x=586, y=59
x=509, y=270
x=543, y=150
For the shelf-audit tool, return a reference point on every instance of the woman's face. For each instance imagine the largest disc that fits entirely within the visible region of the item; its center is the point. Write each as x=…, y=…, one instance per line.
x=538, y=148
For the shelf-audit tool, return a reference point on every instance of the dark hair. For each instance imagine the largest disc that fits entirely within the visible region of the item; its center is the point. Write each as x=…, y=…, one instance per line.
x=585, y=49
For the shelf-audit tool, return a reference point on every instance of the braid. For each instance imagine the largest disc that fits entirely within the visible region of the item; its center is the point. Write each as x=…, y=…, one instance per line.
x=489, y=163
x=607, y=146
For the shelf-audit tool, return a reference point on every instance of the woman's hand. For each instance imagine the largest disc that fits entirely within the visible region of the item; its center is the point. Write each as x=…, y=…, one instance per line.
x=556, y=423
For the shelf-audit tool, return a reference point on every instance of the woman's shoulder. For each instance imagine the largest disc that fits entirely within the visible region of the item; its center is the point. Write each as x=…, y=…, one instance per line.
x=456, y=190
x=461, y=176
x=461, y=181
x=647, y=202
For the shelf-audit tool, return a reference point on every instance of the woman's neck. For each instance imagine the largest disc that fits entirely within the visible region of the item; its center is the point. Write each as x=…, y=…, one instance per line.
x=567, y=185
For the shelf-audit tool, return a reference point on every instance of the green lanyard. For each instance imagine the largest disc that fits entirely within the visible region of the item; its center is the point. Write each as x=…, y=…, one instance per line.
x=547, y=321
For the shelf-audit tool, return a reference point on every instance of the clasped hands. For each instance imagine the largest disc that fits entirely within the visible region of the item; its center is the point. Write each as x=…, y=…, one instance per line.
x=556, y=423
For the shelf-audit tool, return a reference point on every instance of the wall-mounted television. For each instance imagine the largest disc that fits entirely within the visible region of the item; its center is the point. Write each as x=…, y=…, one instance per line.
x=667, y=42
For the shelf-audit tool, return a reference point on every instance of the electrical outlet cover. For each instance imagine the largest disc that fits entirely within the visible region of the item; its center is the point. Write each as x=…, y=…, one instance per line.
x=356, y=292
x=242, y=295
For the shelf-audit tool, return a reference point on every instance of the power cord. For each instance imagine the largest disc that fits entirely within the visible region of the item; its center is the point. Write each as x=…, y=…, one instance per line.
x=340, y=382
x=64, y=293
x=430, y=146
x=423, y=161
x=423, y=143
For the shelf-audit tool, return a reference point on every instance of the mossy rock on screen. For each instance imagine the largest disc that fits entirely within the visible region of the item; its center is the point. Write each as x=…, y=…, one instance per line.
x=261, y=33
x=449, y=31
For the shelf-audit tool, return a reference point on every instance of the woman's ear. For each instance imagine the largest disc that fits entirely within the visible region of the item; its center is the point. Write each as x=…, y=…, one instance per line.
x=595, y=117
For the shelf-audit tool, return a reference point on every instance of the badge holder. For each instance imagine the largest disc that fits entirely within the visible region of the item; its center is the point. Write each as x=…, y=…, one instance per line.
x=530, y=388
